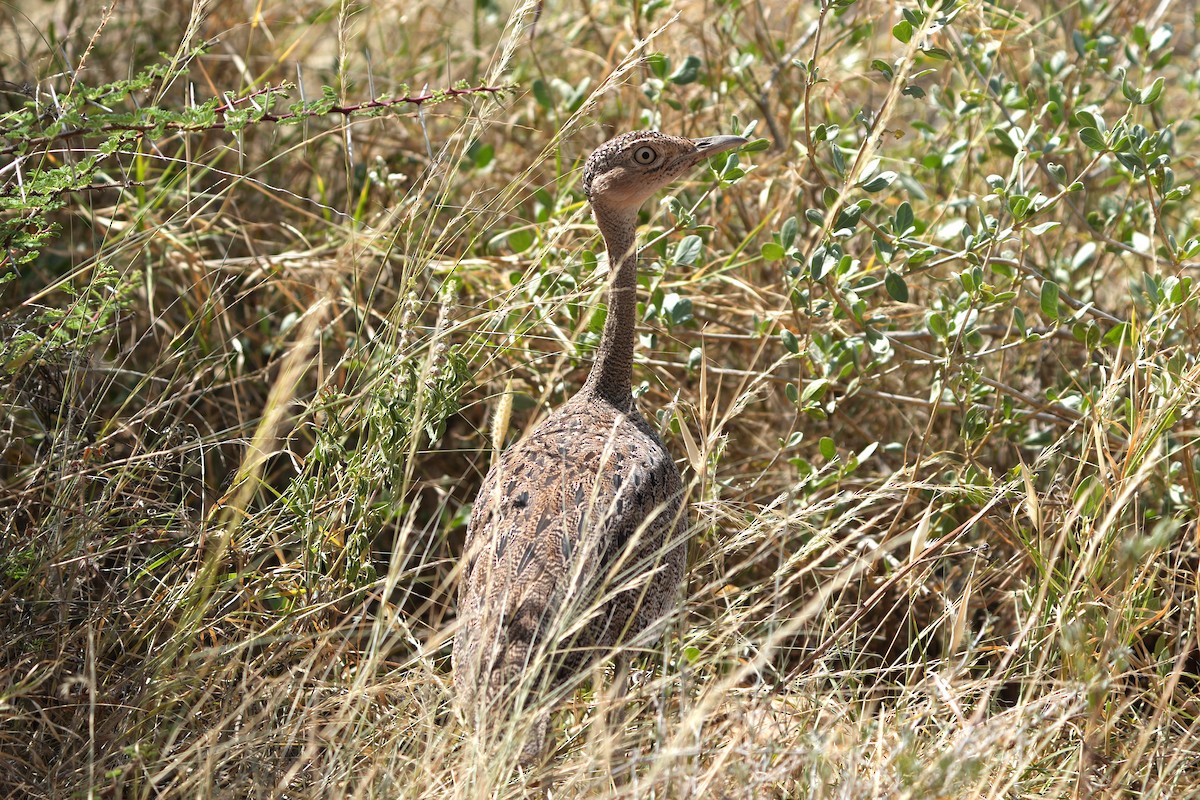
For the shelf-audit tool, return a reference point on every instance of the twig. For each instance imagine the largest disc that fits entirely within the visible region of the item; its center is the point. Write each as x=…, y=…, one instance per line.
x=221, y=124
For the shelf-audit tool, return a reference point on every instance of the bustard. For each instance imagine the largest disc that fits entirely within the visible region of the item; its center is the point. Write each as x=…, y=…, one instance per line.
x=576, y=541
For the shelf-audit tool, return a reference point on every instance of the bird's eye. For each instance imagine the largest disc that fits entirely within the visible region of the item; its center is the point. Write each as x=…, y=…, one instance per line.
x=644, y=155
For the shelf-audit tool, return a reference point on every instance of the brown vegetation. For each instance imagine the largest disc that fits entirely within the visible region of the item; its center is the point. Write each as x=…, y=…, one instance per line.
x=927, y=362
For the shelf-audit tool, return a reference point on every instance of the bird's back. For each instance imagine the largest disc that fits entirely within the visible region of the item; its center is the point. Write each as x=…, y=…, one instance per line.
x=574, y=545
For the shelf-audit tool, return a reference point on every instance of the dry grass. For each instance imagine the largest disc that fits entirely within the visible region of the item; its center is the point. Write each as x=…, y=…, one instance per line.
x=945, y=539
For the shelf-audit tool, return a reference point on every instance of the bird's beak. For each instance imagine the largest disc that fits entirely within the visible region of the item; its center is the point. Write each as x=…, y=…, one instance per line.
x=711, y=145
x=706, y=147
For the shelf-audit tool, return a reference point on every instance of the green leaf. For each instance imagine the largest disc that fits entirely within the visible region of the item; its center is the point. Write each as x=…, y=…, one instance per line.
x=968, y=281
x=1140, y=37
x=789, y=341
x=903, y=31
x=1119, y=334
x=1153, y=93
x=773, y=251
x=1048, y=301
x=847, y=221
x=659, y=64
x=1018, y=204
x=828, y=448
x=1092, y=138
x=687, y=251
x=903, y=224
x=937, y=325
x=1128, y=89
x=520, y=240
x=787, y=234
x=896, y=287
x=1090, y=117
x=1160, y=38
x=484, y=155
x=541, y=93
x=879, y=182
x=1080, y=43
x=678, y=309
x=1089, y=495
x=821, y=264
x=687, y=72
x=1019, y=320
x=814, y=390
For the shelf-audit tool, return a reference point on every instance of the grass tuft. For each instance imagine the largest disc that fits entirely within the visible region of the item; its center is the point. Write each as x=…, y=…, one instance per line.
x=277, y=281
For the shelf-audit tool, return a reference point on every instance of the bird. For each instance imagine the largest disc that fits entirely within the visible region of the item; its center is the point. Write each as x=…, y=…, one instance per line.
x=576, y=542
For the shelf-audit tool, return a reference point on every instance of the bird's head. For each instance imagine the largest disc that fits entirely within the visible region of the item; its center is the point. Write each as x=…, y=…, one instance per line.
x=625, y=171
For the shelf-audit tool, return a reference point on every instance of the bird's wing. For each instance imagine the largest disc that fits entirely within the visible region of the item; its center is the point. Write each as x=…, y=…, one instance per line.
x=549, y=544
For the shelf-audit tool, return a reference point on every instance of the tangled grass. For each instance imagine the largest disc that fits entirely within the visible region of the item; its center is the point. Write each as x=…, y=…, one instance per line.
x=279, y=279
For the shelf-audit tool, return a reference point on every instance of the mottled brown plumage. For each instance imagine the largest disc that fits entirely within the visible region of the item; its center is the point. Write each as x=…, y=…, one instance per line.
x=576, y=542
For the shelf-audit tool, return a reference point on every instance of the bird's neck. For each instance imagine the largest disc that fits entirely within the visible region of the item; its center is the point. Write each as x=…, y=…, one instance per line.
x=612, y=373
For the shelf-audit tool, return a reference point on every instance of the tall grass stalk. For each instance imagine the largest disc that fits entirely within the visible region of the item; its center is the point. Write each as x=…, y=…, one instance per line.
x=277, y=281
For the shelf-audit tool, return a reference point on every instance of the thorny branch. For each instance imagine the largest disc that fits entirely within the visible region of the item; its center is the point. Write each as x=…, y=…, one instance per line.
x=232, y=105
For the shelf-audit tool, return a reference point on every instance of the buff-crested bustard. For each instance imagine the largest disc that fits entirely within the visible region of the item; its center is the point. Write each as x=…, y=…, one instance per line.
x=576, y=541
